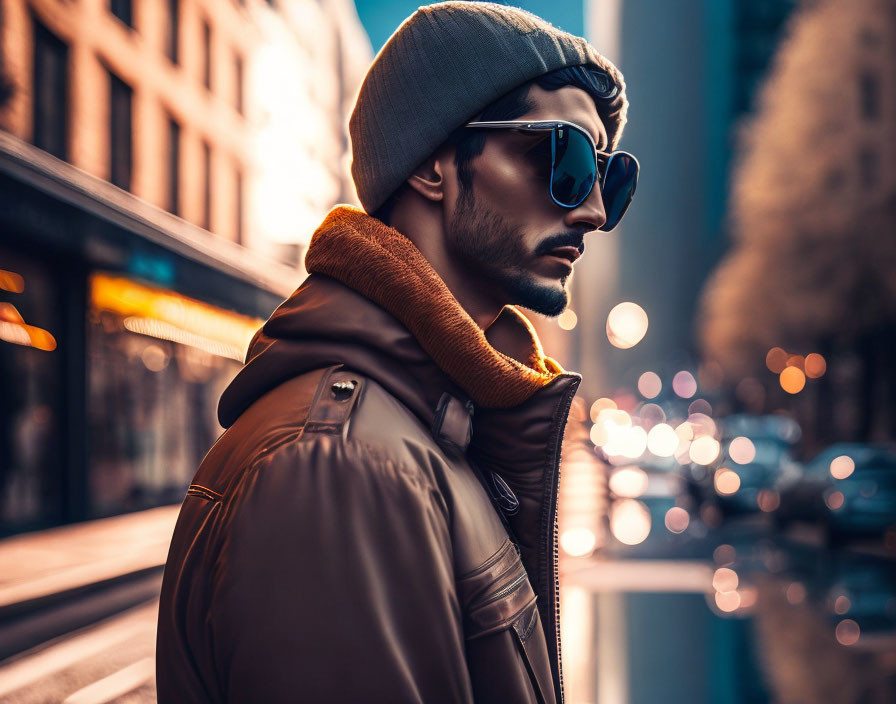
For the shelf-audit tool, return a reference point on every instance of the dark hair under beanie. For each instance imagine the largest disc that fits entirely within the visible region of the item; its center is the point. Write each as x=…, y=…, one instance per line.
x=442, y=66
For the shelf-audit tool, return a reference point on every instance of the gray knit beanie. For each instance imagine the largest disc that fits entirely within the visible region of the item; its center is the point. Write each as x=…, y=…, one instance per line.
x=443, y=66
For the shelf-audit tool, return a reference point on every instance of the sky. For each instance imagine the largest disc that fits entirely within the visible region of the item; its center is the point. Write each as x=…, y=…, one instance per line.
x=381, y=17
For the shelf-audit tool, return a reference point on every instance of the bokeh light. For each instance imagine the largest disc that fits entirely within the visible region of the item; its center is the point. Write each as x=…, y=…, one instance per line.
x=724, y=554
x=662, y=440
x=684, y=384
x=702, y=406
x=842, y=604
x=795, y=594
x=629, y=521
x=650, y=385
x=742, y=450
x=685, y=432
x=629, y=482
x=154, y=358
x=847, y=632
x=797, y=360
x=600, y=405
x=727, y=601
x=726, y=481
x=702, y=424
x=630, y=442
x=609, y=425
x=652, y=414
x=776, y=360
x=704, y=450
x=792, y=380
x=815, y=365
x=626, y=325
x=11, y=281
x=567, y=319
x=677, y=519
x=725, y=579
x=768, y=500
x=842, y=467
x=578, y=542
x=834, y=500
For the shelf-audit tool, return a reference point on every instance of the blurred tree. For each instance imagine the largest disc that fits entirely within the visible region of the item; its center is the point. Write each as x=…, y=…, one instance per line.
x=813, y=219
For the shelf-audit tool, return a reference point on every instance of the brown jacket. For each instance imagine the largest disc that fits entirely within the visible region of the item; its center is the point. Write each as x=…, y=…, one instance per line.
x=373, y=527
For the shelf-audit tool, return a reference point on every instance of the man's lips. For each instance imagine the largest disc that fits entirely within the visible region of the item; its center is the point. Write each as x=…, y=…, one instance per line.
x=568, y=253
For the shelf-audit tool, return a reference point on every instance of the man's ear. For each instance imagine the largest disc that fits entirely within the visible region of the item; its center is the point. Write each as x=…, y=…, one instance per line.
x=428, y=179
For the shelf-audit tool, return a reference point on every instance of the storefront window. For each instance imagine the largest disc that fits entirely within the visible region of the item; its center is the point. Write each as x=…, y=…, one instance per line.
x=30, y=402
x=157, y=364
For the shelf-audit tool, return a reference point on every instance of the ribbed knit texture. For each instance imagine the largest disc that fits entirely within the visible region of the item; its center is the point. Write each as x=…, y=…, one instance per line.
x=443, y=66
x=382, y=264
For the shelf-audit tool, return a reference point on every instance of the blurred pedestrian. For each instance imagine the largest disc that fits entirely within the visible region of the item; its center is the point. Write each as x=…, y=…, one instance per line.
x=377, y=524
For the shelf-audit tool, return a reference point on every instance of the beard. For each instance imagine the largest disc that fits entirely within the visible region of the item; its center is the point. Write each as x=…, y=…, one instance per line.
x=486, y=245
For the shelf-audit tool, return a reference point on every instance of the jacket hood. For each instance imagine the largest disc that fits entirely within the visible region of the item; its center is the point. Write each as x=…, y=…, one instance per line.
x=373, y=303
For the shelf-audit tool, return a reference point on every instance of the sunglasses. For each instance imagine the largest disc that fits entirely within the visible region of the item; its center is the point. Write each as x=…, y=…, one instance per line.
x=577, y=164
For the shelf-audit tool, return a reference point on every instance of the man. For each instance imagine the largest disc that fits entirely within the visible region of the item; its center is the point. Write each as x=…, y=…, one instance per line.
x=377, y=524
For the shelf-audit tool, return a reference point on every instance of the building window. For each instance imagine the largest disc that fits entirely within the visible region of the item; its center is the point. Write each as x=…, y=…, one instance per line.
x=206, y=55
x=172, y=30
x=869, y=95
x=123, y=10
x=173, y=166
x=238, y=197
x=206, y=186
x=238, y=81
x=120, y=132
x=50, y=126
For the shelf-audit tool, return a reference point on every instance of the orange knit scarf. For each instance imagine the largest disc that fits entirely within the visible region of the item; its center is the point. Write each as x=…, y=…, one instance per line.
x=382, y=264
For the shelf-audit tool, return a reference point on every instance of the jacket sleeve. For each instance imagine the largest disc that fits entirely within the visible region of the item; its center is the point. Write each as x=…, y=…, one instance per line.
x=335, y=582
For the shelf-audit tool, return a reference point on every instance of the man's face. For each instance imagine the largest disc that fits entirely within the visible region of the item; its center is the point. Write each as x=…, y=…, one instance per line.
x=503, y=229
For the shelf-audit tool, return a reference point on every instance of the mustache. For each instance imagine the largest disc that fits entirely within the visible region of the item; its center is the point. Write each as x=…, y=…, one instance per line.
x=571, y=239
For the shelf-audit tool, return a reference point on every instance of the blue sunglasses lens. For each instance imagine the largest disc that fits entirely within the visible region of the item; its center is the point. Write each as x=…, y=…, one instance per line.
x=573, y=168
x=618, y=187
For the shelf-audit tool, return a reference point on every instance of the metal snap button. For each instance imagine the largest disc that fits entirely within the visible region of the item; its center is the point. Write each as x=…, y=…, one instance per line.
x=343, y=390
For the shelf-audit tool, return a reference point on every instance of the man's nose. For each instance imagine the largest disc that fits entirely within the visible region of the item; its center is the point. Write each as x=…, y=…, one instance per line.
x=590, y=211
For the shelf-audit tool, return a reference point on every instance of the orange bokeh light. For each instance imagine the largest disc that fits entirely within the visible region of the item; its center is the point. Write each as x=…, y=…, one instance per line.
x=815, y=365
x=792, y=380
x=776, y=360
x=796, y=360
x=11, y=281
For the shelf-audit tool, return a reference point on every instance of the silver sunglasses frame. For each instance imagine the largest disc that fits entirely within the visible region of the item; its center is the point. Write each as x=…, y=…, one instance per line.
x=545, y=125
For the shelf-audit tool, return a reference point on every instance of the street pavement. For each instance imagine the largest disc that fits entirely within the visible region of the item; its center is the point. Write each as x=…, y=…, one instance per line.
x=112, y=661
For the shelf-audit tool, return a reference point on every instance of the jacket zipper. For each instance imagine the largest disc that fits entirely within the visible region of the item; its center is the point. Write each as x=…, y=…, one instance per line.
x=561, y=419
x=500, y=594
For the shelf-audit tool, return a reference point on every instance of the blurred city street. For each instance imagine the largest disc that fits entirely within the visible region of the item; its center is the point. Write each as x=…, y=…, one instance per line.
x=727, y=500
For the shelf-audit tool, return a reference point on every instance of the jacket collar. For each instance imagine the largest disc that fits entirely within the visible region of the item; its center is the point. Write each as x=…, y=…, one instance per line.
x=382, y=264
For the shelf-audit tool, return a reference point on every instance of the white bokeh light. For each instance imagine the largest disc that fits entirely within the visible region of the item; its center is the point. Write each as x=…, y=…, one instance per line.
x=629, y=521
x=662, y=440
x=626, y=325
x=578, y=542
x=742, y=450
x=704, y=450
x=629, y=482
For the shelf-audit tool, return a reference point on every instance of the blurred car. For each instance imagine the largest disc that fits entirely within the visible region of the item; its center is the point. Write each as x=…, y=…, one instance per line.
x=768, y=451
x=849, y=488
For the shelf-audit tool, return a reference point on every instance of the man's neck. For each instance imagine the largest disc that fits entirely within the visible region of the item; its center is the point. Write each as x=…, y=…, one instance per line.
x=428, y=236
